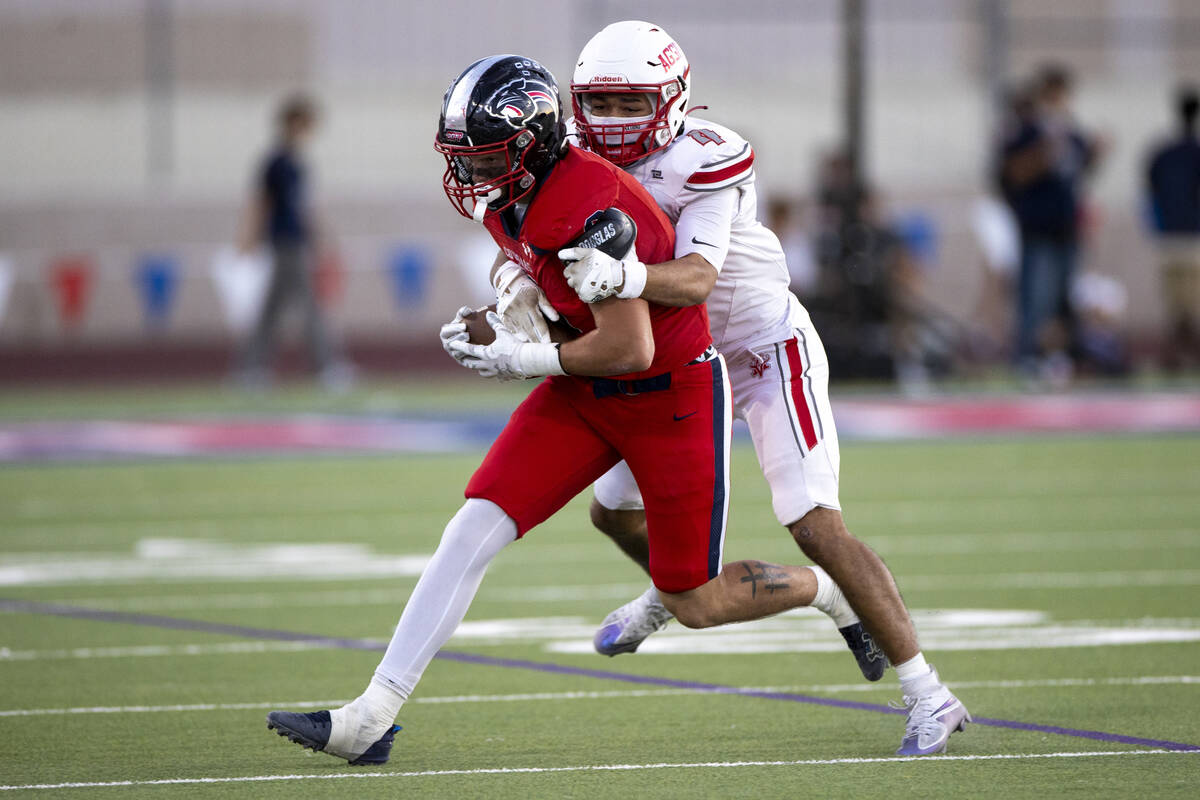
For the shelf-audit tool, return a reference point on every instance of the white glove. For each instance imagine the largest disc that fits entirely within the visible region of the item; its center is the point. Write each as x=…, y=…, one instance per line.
x=521, y=303
x=508, y=358
x=455, y=331
x=595, y=275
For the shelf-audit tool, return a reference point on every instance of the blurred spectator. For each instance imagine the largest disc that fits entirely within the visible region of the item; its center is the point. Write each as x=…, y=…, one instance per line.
x=998, y=236
x=871, y=305
x=279, y=213
x=850, y=305
x=1045, y=159
x=1000, y=245
x=1100, y=303
x=1174, y=182
x=785, y=218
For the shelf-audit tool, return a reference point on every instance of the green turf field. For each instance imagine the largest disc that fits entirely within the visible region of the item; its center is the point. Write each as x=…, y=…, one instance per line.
x=1027, y=564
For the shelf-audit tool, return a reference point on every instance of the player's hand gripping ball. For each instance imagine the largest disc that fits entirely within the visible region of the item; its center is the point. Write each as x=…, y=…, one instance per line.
x=456, y=331
x=522, y=304
x=479, y=331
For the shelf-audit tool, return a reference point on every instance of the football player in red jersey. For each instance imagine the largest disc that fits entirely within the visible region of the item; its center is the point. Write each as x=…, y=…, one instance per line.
x=641, y=382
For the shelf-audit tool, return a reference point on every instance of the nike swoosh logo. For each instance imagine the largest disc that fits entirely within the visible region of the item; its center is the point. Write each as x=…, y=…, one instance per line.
x=697, y=241
x=685, y=416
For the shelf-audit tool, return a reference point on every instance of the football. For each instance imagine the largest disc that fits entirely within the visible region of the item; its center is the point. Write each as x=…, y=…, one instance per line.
x=478, y=329
x=480, y=332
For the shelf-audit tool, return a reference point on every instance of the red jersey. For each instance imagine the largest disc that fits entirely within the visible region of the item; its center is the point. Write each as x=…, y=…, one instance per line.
x=579, y=185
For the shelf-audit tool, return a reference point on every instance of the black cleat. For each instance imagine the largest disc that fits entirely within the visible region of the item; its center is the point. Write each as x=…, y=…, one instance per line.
x=312, y=730
x=870, y=658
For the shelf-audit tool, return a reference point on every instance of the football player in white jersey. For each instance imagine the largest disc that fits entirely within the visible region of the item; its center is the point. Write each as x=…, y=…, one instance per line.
x=631, y=94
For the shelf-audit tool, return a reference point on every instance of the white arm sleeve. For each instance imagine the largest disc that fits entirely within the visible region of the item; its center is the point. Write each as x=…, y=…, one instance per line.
x=704, y=225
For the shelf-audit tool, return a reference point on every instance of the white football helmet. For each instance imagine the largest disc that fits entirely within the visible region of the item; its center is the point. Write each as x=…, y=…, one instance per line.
x=631, y=56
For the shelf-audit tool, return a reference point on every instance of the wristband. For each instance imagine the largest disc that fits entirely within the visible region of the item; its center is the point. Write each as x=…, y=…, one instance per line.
x=535, y=359
x=635, y=279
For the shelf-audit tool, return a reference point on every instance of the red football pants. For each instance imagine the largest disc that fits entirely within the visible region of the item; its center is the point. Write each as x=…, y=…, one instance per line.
x=676, y=442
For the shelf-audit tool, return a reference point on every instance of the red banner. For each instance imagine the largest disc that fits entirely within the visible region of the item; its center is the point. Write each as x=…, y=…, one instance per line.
x=71, y=281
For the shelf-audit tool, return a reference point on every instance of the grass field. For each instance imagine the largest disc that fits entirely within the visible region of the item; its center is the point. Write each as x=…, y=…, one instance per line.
x=1054, y=581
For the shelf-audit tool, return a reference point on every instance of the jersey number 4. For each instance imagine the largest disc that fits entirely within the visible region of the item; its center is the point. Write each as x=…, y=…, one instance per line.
x=705, y=136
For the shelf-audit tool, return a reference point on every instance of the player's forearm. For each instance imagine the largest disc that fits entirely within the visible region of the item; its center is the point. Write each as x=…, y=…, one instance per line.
x=612, y=348
x=680, y=282
x=596, y=355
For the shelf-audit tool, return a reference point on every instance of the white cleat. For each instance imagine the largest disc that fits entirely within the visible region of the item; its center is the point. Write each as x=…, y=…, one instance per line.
x=932, y=716
x=631, y=624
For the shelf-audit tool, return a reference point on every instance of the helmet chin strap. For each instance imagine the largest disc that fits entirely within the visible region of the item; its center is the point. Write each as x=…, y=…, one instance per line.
x=479, y=211
x=481, y=205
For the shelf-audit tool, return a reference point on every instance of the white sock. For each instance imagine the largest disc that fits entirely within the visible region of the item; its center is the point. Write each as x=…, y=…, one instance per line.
x=652, y=597
x=438, y=604
x=830, y=600
x=359, y=724
x=440, y=600
x=915, y=675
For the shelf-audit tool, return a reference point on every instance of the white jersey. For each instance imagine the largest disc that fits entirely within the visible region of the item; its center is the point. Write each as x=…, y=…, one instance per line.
x=704, y=181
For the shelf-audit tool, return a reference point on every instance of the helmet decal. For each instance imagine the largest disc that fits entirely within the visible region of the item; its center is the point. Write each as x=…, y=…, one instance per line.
x=520, y=100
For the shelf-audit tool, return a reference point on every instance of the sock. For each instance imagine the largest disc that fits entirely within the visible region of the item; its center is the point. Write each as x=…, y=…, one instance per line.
x=438, y=604
x=652, y=597
x=440, y=600
x=360, y=723
x=830, y=600
x=915, y=675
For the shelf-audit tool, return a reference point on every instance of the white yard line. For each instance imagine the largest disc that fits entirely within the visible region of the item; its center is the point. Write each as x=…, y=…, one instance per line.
x=801, y=631
x=155, y=650
x=188, y=559
x=817, y=688
x=600, y=591
x=590, y=768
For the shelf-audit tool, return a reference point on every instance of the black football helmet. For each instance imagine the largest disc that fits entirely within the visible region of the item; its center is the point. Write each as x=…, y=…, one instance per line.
x=501, y=130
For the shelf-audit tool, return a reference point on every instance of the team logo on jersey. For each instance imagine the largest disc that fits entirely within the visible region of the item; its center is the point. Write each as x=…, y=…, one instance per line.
x=760, y=364
x=656, y=174
x=518, y=101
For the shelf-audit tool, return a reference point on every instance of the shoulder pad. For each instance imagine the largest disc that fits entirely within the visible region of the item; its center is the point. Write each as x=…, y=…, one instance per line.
x=719, y=157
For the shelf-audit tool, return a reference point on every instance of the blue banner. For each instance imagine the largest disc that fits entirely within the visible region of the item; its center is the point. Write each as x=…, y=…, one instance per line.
x=157, y=278
x=409, y=267
x=919, y=233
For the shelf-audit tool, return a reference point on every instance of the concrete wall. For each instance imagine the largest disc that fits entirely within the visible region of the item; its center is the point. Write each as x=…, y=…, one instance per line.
x=132, y=127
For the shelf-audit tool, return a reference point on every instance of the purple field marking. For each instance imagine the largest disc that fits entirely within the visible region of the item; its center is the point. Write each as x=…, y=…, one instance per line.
x=713, y=688
x=174, y=623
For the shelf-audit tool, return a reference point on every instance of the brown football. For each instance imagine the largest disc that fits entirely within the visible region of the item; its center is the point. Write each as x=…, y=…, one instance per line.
x=480, y=332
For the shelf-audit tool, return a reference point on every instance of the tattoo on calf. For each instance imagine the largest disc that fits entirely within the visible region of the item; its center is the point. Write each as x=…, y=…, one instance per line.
x=771, y=576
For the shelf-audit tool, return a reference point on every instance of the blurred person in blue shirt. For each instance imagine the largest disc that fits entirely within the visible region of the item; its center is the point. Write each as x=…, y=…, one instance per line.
x=1045, y=158
x=1173, y=180
x=280, y=215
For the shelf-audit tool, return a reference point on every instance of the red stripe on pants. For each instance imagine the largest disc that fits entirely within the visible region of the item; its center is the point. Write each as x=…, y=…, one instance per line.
x=803, y=413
